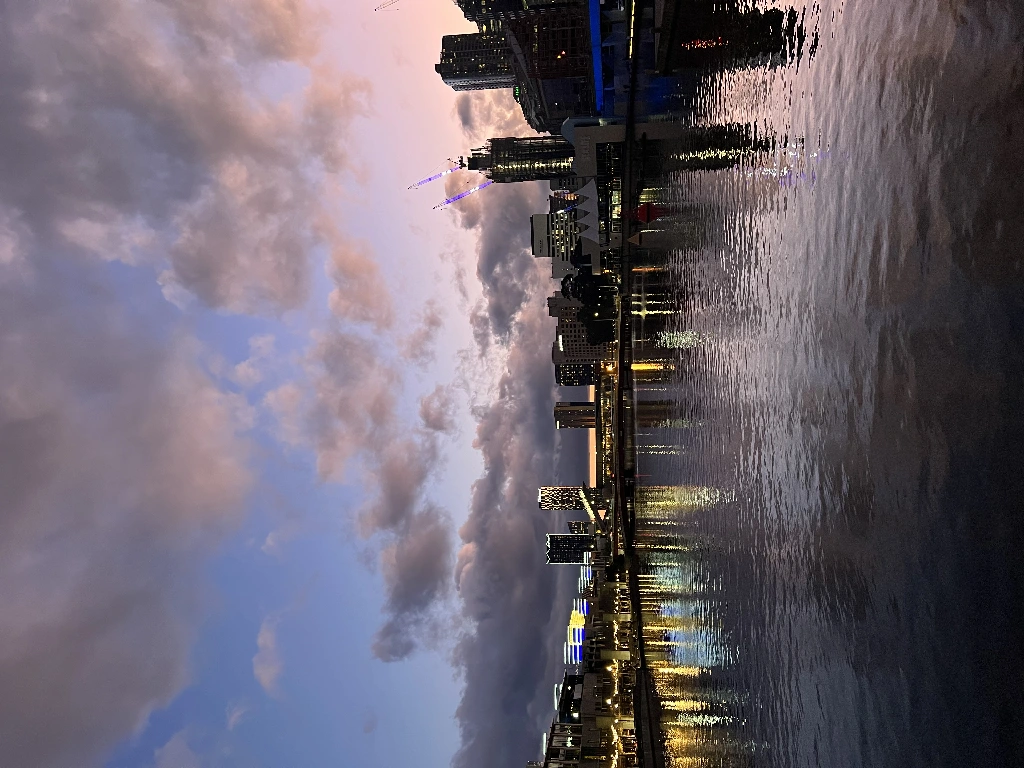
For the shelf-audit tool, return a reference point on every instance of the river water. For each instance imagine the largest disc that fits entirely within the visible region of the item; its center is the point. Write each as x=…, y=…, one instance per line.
x=841, y=489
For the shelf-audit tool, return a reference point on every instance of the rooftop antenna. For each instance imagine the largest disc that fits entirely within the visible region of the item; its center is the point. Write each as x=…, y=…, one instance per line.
x=456, y=166
x=461, y=195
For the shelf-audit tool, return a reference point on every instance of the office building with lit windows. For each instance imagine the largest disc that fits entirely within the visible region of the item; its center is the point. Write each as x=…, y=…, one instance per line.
x=575, y=415
x=576, y=374
x=474, y=62
x=568, y=548
x=558, y=497
x=529, y=158
x=571, y=344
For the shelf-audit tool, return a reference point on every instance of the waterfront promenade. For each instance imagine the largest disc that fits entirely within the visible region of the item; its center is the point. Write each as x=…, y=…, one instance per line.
x=646, y=707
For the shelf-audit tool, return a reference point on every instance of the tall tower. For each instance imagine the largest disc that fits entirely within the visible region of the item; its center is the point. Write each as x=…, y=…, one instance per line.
x=575, y=415
x=561, y=497
x=554, y=43
x=576, y=374
x=568, y=548
x=482, y=10
x=529, y=158
x=476, y=61
x=571, y=344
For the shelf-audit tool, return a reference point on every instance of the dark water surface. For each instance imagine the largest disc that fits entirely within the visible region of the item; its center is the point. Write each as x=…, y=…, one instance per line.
x=855, y=396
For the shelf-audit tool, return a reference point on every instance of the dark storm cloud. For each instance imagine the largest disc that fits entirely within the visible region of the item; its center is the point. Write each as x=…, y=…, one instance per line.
x=500, y=213
x=509, y=596
x=511, y=600
x=506, y=268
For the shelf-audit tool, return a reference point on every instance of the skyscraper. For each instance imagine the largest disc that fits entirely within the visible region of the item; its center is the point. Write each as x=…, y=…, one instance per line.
x=571, y=344
x=554, y=44
x=577, y=526
x=480, y=10
x=568, y=548
x=529, y=158
x=475, y=62
x=575, y=374
x=565, y=497
x=557, y=236
x=575, y=415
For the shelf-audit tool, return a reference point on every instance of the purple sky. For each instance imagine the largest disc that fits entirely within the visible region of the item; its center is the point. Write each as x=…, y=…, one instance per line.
x=269, y=488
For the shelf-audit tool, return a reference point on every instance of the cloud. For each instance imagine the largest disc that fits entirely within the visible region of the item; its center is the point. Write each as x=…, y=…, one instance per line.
x=266, y=664
x=359, y=294
x=153, y=134
x=507, y=593
x=235, y=714
x=417, y=568
x=142, y=132
x=437, y=410
x=418, y=346
x=249, y=372
x=347, y=401
x=123, y=466
x=506, y=267
x=348, y=410
x=486, y=114
x=177, y=753
x=274, y=542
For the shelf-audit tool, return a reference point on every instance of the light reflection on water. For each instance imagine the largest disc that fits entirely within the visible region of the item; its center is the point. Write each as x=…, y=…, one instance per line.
x=832, y=536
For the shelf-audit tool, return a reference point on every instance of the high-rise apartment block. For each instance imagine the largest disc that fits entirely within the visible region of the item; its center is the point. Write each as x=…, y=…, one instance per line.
x=474, y=62
x=566, y=497
x=575, y=415
x=568, y=548
x=576, y=374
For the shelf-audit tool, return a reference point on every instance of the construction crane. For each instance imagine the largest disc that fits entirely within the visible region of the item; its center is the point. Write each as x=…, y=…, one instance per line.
x=461, y=195
x=456, y=166
x=385, y=5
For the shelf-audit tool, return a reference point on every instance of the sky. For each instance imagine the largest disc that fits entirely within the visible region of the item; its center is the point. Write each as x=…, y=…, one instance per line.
x=271, y=428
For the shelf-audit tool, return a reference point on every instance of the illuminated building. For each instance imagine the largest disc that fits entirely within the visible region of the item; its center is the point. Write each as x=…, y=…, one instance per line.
x=556, y=236
x=571, y=345
x=552, y=45
x=575, y=415
x=576, y=374
x=551, y=56
x=568, y=548
x=531, y=158
x=552, y=497
x=475, y=62
x=577, y=526
x=483, y=10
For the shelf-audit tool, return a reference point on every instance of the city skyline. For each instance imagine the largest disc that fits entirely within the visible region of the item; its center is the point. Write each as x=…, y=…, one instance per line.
x=536, y=383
